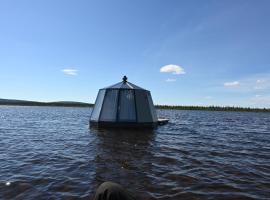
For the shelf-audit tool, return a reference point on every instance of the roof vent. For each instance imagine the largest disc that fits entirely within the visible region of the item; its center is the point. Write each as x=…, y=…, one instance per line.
x=125, y=79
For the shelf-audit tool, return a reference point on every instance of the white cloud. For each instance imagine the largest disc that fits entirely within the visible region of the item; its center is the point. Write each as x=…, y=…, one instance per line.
x=208, y=97
x=170, y=80
x=72, y=72
x=232, y=84
x=175, y=69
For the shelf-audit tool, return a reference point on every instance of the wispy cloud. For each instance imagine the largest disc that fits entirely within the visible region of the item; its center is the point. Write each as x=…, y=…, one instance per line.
x=262, y=84
x=232, y=84
x=260, y=100
x=208, y=97
x=72, y=72
x=254, y=83
x=260, y=81
x=171, y=80
x=174, y=69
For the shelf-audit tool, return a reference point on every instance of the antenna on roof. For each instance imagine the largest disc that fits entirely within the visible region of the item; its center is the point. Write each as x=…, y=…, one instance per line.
x=125, y=79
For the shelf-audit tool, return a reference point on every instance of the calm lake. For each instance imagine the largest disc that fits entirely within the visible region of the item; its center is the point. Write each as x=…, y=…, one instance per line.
x=51, y=153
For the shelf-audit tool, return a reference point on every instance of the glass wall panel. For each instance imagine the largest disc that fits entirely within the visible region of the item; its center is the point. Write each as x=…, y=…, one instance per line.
x=127, y=106
x=151, y=104
x=98, y=104
x=143, y=110
x=109, y=107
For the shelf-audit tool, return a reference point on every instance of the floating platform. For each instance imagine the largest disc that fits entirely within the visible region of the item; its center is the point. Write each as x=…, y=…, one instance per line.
x=123, y=124
x=162, y=121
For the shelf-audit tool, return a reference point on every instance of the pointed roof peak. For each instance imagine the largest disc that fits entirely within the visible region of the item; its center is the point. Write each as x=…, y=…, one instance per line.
x=124, y=85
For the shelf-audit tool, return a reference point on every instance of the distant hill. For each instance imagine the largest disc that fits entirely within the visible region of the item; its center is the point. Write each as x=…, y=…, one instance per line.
x=14, y=102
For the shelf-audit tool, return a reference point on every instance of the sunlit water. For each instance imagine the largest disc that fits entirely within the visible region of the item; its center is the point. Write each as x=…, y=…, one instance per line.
x=50, y=153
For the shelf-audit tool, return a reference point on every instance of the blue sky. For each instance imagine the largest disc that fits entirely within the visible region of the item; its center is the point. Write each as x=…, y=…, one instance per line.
x=218, y=52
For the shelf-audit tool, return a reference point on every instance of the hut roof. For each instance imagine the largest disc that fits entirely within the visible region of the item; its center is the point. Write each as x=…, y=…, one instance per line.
x=124, y=85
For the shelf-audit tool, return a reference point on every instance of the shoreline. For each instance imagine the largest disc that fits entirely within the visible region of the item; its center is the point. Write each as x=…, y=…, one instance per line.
x=215, y=108
x=85, y=105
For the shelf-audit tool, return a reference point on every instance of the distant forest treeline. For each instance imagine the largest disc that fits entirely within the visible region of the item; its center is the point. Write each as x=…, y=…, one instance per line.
x=214, y=108
x=81, y=104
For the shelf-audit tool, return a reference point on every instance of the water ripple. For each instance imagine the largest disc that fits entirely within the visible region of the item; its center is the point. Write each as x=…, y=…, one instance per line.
x=50, y=153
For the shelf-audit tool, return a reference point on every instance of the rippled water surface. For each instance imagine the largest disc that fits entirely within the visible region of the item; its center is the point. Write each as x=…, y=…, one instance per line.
x=50, y=153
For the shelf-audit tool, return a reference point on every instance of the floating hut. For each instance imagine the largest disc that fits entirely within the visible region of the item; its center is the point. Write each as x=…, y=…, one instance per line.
x=124, y=105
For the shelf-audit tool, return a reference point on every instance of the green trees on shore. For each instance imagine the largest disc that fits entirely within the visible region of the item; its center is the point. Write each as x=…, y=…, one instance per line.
x=214, y=108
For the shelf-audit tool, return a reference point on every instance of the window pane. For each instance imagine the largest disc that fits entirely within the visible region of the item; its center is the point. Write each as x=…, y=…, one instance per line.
x=143, y=110
x=153, y=109
x=109, y=107
x=127, y=106
x=98, y=104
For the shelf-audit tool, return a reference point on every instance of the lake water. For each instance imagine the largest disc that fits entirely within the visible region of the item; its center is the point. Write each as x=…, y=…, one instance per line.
x=50, y=153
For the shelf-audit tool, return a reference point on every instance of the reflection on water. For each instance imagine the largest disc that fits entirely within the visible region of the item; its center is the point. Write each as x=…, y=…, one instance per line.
x=123, y=155
x=50, y=153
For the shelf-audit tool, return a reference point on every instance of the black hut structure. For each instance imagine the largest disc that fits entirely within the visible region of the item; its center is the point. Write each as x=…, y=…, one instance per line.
x=124, y=104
